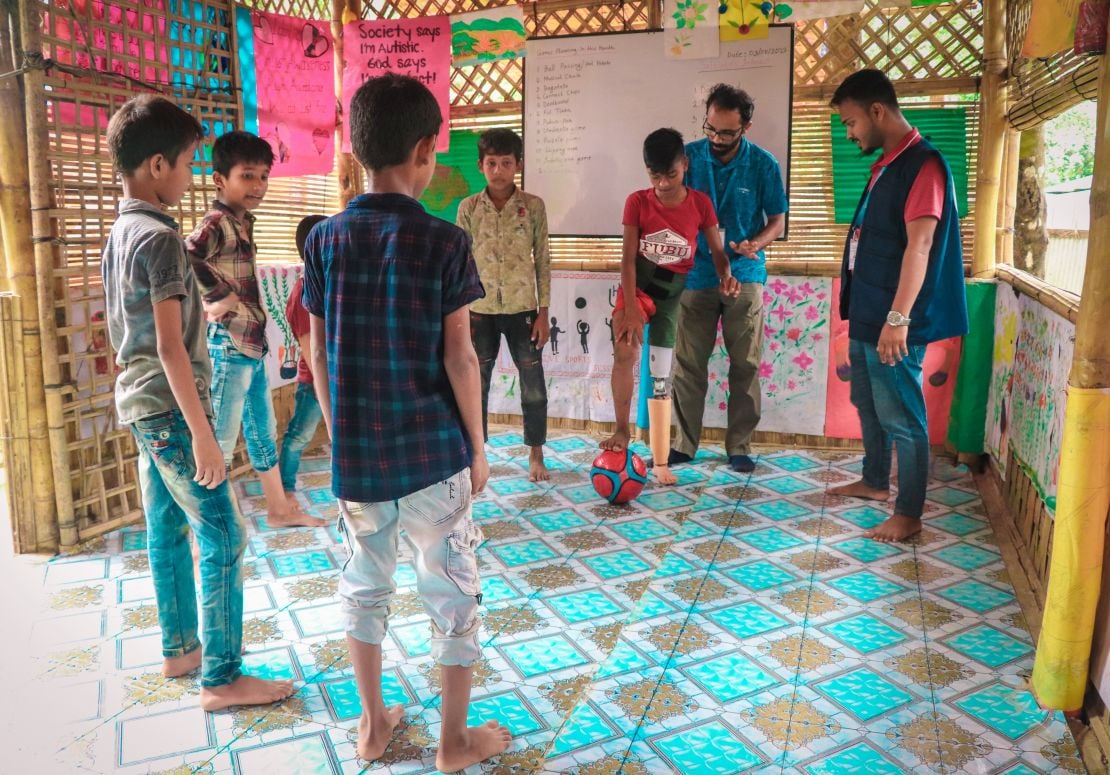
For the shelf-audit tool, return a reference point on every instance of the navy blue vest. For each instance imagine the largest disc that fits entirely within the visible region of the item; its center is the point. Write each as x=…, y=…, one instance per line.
x=867, y=293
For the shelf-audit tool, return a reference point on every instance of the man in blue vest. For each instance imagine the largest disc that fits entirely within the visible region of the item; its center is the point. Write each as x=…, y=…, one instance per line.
x=901, y=287
x=745, y=183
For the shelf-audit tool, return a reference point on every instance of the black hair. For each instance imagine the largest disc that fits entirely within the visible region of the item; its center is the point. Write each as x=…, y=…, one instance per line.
x=500, y=142
x=662, y=148
x=146, y=126
x=724, y=96
x=389, y=115
x=239, y=147
x=303, y=228
x=865, y=88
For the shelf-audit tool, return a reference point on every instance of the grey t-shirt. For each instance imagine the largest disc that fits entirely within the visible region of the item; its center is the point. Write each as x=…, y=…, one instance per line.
x=144, y=262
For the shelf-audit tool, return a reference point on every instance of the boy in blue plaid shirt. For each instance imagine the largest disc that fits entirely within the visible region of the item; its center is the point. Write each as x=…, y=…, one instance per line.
x=388, y=288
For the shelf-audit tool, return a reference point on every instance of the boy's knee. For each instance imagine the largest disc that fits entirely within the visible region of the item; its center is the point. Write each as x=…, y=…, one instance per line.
x=366, y=620
x=459, y=646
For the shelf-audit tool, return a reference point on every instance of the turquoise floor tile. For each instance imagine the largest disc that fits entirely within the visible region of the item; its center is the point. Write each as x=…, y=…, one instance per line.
x=673, y=565
x=1009, y=711
x=865, y=586
x=583, y=493
x=950, y=496
x=760, y=575
x=510, y=709
x=343, y=700
x=792, y=463
x=664, y=500
x=624, y=658
x=616, y=564
x=857, y=759
x=689, y=475
x=730, y=677
x=571, y=444
x=957, y=524
x=272, y=665
x=864, y=517
x=866, y=550
x=556, y=520
x=651, y=605
x=707, y=503
x=495, y=590
x=778, y=510
x=415, y=639
x=513, y=486
x=404, y=576
x=582, y=606
x=543, y=655
x=305, y=755
x=641, y=530
x=320, y=496
x=252, y=488
x=965, y=556
x=992, y=647
x=585, y=727
x=523, y=553
x=864, y=693
x=303, y=562
x=771, y=539
x=787, y=485
x=747, y=619
x=133, y=540
x=711, y=748
x=975, y=595
x=864, y=633
x=502, y=440
x=486, y=509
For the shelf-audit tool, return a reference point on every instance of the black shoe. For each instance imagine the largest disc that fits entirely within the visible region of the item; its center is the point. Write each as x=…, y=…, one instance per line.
x=676, y=458
x=741, y=463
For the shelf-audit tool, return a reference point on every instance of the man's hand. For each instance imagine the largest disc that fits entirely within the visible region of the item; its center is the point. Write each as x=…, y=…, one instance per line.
x=730, y=287
x=211, y=469
x=479, y=472
x=541, y=332
x=217, y=309
x=628, y=324
x=747, y=248
x=892, y=344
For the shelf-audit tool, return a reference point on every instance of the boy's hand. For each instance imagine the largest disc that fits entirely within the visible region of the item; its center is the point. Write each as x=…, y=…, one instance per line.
x=747, y=248
x=211, y=470
x=541, y=332
x=630, y=325
x=730, y=287
x=479, y=472
x=217, y=309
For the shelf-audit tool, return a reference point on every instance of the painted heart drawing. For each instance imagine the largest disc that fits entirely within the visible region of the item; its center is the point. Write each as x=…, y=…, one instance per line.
x=262, y=31
x=313, y=42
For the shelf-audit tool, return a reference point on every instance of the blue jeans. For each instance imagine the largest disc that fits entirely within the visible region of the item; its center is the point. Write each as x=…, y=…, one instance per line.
x=173, y=503
x=891, y=406
x=241, y=398
x=302, y=427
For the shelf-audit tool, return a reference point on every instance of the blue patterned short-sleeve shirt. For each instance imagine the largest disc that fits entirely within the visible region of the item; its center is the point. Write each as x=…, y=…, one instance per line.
x=383, y=274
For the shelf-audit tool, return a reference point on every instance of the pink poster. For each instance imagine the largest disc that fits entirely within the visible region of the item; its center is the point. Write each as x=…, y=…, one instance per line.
x=942, y=361
x=295, y=75
x=417, y=47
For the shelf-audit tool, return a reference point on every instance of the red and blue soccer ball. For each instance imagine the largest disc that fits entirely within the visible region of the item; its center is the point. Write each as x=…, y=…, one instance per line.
x=618, y=477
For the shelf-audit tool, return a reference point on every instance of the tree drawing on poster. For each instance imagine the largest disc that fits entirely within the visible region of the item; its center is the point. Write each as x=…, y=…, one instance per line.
x=1038, y=389
x=1007, y=313
x=275, y=281
x=456, y=177
x=294, y=82
x=486, y=36
x=417, y=47
x=793, y=368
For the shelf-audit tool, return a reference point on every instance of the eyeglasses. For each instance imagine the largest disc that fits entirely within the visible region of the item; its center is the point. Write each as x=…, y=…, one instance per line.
x=728, y=135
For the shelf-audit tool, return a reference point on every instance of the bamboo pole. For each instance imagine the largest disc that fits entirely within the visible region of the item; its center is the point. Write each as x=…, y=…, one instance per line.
x=1011, y=156
x=18, y=482
x=992, y=127
x=1083, y=493
x=347, y=171
x=27, y=396
x=42, y=225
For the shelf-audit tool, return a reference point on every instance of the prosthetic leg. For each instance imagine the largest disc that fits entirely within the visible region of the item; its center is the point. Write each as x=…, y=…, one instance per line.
x=659, y=412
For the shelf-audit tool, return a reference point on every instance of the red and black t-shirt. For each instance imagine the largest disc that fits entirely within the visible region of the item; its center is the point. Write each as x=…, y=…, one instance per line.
x=669, y=235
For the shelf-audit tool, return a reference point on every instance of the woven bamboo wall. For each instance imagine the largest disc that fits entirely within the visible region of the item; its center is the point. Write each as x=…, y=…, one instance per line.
x=933, y=52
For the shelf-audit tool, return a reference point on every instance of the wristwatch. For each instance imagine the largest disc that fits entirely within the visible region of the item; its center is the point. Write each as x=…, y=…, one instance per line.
x=896, y=319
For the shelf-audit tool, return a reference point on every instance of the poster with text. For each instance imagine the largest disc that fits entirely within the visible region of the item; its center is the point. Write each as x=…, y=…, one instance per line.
x=417, y=47
x=294, y=77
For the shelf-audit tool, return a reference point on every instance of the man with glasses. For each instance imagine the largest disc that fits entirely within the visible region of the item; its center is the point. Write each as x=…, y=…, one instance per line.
x=746, y=187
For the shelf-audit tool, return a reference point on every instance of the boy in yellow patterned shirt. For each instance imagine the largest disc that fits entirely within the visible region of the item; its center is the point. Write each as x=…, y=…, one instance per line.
x=509, y=231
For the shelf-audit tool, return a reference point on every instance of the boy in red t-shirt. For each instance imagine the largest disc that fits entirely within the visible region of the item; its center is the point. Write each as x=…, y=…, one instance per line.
x=661, y=226
x=306, y=409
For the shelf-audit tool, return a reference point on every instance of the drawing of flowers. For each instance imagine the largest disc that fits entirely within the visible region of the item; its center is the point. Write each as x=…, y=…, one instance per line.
x=688, y=13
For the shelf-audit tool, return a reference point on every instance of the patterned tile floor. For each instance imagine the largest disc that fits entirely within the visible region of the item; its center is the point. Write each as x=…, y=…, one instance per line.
x=733, y=624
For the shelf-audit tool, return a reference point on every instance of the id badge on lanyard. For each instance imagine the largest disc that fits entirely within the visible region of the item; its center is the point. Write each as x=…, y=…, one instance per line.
x=857, y=224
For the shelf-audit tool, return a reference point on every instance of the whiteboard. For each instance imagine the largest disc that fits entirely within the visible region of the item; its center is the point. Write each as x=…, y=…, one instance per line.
x=590, y=101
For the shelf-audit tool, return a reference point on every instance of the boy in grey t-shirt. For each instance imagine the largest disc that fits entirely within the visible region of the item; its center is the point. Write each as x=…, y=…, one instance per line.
x=156, y=325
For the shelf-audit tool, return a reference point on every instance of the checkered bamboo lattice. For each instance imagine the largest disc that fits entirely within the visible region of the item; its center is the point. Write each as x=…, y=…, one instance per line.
x=184, y=48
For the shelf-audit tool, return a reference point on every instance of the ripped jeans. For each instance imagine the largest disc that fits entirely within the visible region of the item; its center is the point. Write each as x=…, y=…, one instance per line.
x=437, y=526
x=486, y=332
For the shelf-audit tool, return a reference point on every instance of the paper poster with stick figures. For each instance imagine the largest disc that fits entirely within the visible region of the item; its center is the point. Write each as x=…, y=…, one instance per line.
x=275, y=281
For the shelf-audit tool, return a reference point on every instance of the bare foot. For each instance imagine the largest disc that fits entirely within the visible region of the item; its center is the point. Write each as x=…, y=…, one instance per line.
x=537, y=469
x=618, y=442
x=479, y=744
x=664, y=476
x=859, y=490
x=244, y=690
x=894, y=529
x=294, y=517
x=374, y=734
x=175, y=667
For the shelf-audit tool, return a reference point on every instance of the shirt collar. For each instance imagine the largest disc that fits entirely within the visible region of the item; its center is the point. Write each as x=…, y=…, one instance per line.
x=248, y=216
x=385, y=201
x=143, y=206
x=512, y=197
x=911, y=137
